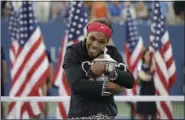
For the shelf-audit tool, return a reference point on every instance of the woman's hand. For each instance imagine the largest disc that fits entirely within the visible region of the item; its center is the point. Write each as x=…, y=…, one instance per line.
x=98, y=68
x=113, y=88
x=144, y=76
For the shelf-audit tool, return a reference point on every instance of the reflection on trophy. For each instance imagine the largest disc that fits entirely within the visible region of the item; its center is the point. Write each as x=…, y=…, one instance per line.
x=111, y=65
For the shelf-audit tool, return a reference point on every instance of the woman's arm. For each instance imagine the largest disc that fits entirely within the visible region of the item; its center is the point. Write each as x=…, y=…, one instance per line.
x=77, y=80
x=143, y=76
x=125, y=78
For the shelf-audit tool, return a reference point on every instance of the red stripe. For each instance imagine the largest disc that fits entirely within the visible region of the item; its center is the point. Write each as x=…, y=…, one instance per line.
x=137, y=61
x=127, y=53
x=21, y=68
x=41, y=106
x=133, y=67
x=165, y=107
x=169, y=62
x=36, y=93
x=64, y=81
x=11, y=65
x=19, y=51
x=134, y=89
x=62, y=110
x=160, y=73
x=66, y=85
x=29, y=109
x=26, y=107
x=10, y=106
x=161, y=77
x=41, y=80
x=166, y=46
x=63, y=76
x=12, y=48
x=172, y=80
x=60, y=60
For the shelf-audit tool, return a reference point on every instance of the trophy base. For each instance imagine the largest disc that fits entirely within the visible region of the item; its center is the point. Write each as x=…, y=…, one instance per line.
x=102, y=78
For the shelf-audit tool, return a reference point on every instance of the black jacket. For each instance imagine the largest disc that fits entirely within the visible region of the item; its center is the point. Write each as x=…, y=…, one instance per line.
x=86, y=98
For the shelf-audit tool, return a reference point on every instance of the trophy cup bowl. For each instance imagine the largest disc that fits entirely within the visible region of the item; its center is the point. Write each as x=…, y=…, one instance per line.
x=106, y=59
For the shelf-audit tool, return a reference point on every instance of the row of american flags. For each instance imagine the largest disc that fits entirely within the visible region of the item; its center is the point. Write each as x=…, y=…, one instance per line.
x=30, y=67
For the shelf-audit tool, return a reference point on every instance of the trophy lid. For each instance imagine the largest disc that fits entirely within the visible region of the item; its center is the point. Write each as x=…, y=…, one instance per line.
x=106, y=58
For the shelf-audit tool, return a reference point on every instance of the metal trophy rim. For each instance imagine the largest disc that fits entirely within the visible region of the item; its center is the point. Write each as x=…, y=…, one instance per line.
x=105, y=60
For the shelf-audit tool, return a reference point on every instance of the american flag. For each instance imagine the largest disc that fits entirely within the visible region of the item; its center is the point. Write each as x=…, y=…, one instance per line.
x=165, y=70
x=133, y=50
x=29, y=63
x=75, y=30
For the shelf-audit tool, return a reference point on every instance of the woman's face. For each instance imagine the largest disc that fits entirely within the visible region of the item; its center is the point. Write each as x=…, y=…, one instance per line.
x=95, y=43
x=147, y=57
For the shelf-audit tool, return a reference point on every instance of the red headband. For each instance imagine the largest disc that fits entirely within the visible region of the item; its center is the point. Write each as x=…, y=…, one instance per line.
x=100, y=27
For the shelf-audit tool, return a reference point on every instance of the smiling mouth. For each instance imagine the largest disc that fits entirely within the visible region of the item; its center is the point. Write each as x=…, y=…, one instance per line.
x=93, y=51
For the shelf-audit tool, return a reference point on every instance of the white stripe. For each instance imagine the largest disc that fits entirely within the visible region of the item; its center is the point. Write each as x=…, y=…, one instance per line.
x=25, y=115
x=168, y=54
x=66, y=106
x=165, y=38
x=40, y=92
x=138, y=68
x=16, y=45
x=161, y=111
x=35, y=108
x=58, y=115
x=12, y=57
x=169, y=104
x=12, y=114
x=15, y=112
x=152, y=38
x=58, y=81
x=34, y=38
x=161, y=65
x=159, y=85
x=136, y=51
x=171, y=70
x=20, y=80
x=62, y=90
x=129, y=92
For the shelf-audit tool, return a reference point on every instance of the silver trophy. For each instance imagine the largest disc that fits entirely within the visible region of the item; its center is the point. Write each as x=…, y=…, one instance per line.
x=112, y=65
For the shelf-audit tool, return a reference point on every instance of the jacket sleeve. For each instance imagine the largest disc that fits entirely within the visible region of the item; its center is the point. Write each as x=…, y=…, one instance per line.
x=76, y=76
x=125, y=78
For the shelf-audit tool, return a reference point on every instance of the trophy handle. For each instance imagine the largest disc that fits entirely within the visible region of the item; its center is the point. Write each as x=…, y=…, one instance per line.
x=125, y=66
x=83, y=66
